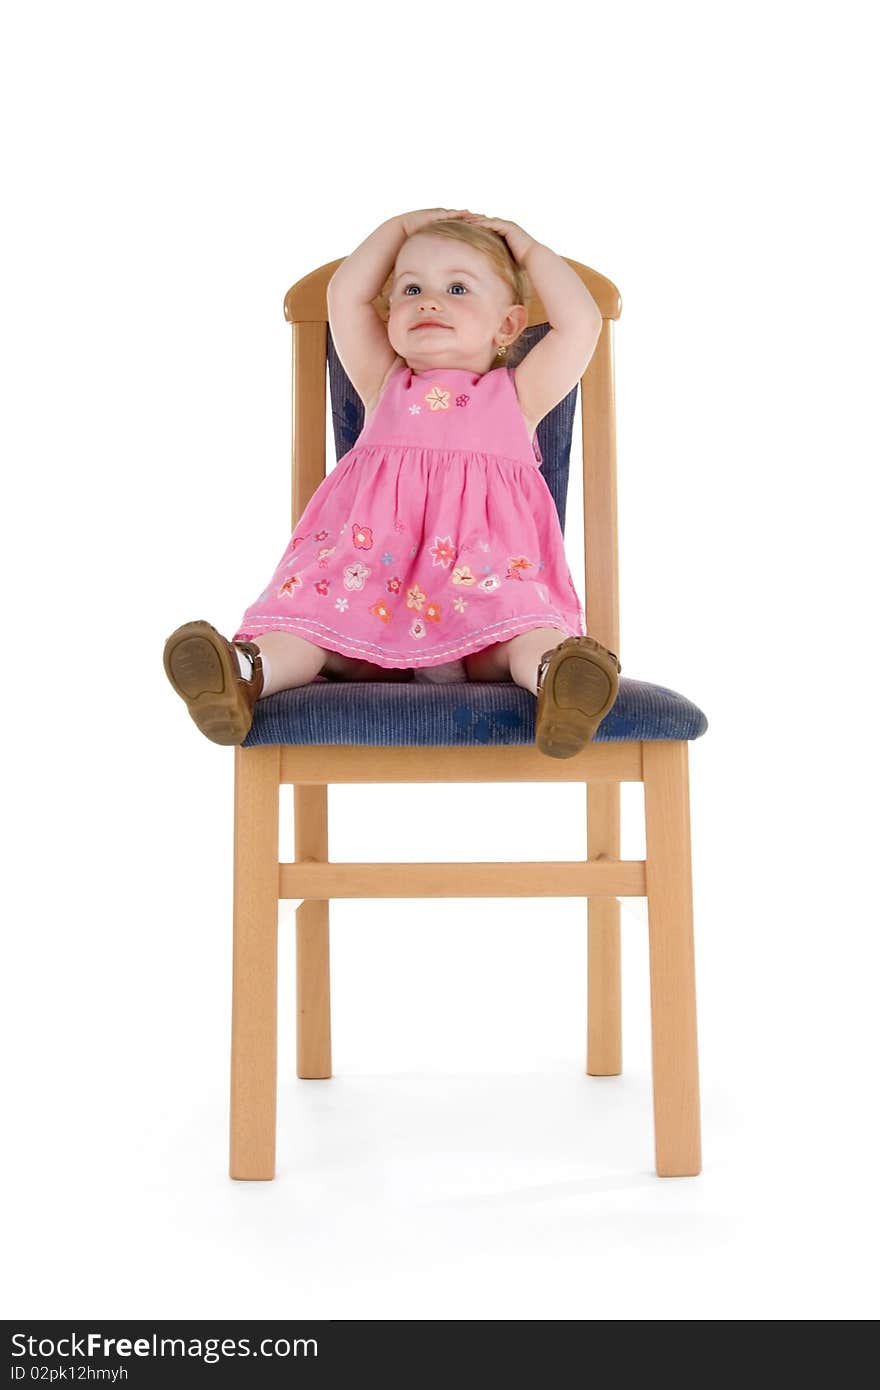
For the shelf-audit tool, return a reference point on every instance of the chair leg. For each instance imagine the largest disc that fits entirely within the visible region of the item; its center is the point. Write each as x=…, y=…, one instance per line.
x=254, y=964
x=313, y=1059
x=604, y=1033
x=671, y=944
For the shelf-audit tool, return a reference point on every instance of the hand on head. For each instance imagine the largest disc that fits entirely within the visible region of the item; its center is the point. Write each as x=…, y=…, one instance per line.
x=517, y=240
x=413, y=222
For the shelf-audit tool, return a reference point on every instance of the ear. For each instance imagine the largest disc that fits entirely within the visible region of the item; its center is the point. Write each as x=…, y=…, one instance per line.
x=516, y=320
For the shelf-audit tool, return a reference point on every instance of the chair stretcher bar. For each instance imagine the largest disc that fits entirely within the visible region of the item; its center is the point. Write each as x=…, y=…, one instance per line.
x=328, y=764
x=564, y=879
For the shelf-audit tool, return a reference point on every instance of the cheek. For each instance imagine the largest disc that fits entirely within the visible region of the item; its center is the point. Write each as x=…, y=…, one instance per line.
x=469, y=312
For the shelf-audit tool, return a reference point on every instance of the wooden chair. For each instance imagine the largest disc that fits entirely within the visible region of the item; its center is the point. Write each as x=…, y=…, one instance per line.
x=332, y=732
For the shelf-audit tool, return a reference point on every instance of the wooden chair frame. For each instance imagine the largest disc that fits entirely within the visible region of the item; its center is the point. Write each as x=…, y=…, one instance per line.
x=664, y=877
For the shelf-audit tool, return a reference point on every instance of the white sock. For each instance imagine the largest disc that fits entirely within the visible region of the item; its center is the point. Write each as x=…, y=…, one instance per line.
x=244, y=661
x=246, y=666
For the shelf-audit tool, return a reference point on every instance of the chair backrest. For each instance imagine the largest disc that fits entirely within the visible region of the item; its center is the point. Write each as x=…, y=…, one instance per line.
x=314, y=355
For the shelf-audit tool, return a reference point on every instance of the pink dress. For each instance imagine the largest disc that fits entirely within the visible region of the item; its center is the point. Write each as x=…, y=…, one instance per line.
x=434, y=536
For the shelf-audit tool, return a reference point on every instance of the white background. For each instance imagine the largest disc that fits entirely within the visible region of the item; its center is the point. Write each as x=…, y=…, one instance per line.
x=169, y=171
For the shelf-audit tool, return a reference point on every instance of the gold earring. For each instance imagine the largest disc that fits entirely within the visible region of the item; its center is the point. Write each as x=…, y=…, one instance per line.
x=501, y=351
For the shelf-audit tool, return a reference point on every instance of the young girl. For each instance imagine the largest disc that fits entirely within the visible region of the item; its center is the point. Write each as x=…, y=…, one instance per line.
x=433, y=550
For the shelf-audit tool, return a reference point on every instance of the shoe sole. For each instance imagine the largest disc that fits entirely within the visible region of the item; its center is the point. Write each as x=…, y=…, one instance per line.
x=198, y=665
x=576, y=697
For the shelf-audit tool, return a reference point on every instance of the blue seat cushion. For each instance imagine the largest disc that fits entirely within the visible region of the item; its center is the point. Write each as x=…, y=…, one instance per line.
x=396, y=713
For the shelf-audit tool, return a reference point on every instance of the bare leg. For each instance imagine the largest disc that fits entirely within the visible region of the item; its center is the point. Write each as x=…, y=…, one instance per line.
x=517, y=659
x=490, y=664
x=294, y=661
x=526, y=651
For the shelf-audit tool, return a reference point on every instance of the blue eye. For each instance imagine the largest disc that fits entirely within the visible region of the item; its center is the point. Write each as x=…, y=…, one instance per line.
x=455, y=285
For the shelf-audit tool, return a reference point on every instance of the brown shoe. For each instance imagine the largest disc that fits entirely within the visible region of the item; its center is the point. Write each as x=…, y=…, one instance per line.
x=577, y=685
x=203, y=668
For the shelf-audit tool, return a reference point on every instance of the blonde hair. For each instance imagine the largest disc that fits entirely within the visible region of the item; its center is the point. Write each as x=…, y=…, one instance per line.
x=494, y=247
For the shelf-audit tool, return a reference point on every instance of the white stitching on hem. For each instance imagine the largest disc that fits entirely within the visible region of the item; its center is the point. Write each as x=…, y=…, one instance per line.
x=351, y=643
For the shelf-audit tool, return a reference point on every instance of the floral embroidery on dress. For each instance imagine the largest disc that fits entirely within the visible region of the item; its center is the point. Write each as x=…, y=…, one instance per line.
x=417, y=628
x=354, y=576
x=362, y=537
x=322, y=585
x=324, y=554
x=490, y=583
x=415, y=410
x=381, y=610
x=289, y=585
x=387, y=558
x=414, y=597
x=443, y=551
x=342, y=604
x=463, y=574
x=459, y=604
x=432, y=613
x=398, y=526
x=322, y=535
x=393, y=585
x=462, y=400
x=516, y=564
x=438, y=398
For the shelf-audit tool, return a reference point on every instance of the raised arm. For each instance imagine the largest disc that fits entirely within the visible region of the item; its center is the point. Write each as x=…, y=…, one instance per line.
x=555, y=364
x=359, y=335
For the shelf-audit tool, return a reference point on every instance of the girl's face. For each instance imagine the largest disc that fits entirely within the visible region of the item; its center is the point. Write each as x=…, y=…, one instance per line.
x=452, y=287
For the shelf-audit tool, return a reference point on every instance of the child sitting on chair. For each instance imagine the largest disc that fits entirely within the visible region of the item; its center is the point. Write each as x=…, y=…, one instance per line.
x=433, y=550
